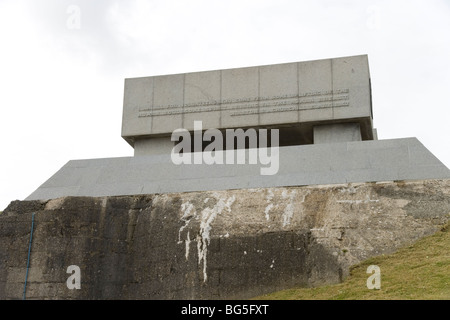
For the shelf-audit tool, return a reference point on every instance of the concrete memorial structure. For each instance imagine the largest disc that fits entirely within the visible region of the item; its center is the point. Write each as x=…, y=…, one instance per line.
x=321, y=111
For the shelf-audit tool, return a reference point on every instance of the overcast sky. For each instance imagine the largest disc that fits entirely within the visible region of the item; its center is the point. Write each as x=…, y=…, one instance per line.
x=63, y=65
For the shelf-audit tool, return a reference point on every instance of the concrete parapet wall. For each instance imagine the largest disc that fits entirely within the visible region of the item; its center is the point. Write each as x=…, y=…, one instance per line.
x=358, y=161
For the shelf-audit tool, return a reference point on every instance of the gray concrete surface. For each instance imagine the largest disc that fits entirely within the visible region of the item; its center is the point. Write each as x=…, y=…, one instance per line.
x=328, y=163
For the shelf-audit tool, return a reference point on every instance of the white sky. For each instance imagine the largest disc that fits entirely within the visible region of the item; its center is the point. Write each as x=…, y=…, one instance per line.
x=63, y=64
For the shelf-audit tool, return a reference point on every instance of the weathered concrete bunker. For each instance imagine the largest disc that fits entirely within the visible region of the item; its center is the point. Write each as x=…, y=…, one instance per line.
x=229, y=244
x=149, y=227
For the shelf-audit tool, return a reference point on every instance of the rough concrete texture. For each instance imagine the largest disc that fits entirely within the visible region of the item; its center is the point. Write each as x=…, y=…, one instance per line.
x=211, y=245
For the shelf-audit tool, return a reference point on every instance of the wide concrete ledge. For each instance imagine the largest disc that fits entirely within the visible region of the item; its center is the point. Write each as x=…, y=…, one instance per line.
x=328, y=163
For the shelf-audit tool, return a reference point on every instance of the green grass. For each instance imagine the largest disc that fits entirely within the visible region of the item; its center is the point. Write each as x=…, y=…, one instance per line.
x=420, y=272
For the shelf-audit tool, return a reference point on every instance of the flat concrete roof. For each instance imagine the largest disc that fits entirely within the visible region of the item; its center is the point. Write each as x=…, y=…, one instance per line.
x=329, y=163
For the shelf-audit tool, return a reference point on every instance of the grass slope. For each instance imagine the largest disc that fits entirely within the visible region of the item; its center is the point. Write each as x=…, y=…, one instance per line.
x=420, y=271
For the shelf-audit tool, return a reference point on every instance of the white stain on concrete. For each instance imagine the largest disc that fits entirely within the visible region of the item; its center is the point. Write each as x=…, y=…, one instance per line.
x=188, y=212
x=187, y=242
x=270, y=205
x=208, y=215
x=289, y=209
x=350, y=190
x=367, y=200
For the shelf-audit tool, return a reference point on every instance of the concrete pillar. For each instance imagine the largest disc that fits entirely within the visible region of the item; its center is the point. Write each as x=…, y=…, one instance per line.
x=338, y=132
x=153, y=146
x=375, y=134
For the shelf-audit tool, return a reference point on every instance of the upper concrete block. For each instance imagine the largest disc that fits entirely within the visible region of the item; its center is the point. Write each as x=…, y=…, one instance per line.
x=329, y=90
